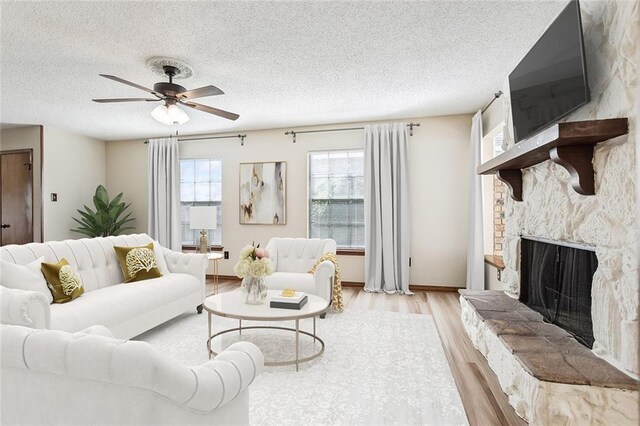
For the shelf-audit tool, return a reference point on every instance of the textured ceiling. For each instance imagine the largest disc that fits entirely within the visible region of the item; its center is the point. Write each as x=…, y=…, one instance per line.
x=280, y=64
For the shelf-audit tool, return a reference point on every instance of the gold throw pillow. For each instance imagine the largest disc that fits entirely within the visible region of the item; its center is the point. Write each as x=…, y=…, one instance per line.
x=63, y=281
x=137, y=263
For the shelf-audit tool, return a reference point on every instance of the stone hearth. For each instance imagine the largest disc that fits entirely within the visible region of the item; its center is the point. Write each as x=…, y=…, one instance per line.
x=549, y=376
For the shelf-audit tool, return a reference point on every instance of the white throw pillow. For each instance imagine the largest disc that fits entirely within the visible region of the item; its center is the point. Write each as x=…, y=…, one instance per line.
x=25, y=277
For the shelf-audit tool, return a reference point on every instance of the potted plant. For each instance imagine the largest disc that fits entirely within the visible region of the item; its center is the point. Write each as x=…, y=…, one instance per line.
x=107, y=218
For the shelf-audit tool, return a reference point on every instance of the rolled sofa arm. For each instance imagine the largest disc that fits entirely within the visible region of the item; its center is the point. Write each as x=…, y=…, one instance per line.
x=187, y=263
x=26, y=308
x=233, y=370
x=272, y=249
x=324, y=278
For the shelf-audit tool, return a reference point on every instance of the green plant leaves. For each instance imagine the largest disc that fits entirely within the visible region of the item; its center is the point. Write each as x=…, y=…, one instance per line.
x=106, y=219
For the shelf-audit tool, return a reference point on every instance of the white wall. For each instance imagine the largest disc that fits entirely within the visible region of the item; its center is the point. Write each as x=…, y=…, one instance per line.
x=74, y=165
x=491, y=281
x=493, y=117
x=28, y=137
x=126, y=171
x=439, y=159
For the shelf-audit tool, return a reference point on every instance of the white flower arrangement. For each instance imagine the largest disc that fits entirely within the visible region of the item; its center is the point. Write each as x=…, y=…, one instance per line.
x=254, y=262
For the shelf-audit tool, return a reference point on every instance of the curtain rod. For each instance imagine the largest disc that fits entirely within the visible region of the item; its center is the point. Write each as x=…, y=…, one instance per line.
x=291, y=132
x=495, y=96
x=294, y=133
x=200, y=138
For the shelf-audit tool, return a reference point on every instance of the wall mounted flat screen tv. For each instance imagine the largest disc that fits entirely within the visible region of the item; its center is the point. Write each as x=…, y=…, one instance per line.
x=551, y=80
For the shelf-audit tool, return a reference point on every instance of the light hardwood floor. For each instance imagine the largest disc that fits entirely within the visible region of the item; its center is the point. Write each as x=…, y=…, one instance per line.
x=483, y=400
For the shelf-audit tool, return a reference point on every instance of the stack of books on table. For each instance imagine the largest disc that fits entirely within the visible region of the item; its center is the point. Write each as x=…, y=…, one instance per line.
x=289, y=301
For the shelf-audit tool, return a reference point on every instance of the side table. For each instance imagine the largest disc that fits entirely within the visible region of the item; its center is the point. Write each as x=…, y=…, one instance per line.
x=215, y=257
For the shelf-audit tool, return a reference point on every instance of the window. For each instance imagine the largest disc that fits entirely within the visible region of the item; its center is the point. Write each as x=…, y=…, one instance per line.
x=200, y=185
x=336, y=197
x=497, y=144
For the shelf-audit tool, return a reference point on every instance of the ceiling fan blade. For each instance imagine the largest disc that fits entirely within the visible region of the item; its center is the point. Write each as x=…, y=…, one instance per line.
x=105, y=101
x=211, y=110
x=201, y=92
x=128, y=83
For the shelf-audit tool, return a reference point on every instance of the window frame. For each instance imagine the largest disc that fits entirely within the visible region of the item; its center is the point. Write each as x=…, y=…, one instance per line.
x=340, y=250
x=212, y=246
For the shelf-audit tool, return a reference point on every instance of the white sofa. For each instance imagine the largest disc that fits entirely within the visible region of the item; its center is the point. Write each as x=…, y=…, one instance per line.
x=126, y=309
x=55, y=377
x=293, y=257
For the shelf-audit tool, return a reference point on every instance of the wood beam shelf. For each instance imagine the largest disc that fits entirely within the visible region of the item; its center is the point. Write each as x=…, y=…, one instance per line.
x=567, y=144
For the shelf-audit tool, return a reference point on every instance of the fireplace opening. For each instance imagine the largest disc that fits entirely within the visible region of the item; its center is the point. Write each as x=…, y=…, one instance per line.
x=556, y=282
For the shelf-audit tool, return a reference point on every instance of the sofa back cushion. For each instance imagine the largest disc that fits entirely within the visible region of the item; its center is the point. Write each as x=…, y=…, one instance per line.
x=55, y=377
x=93, y=258
x=25, y=277
x=98, y=359
x=298, y=254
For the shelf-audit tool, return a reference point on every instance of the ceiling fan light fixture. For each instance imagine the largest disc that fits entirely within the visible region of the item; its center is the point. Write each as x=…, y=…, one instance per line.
x=170, y=94
x=177, y=115
x=169, y=115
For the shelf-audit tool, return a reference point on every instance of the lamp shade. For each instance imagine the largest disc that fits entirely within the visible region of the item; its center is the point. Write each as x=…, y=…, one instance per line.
x=203, y=217
x=169, y=115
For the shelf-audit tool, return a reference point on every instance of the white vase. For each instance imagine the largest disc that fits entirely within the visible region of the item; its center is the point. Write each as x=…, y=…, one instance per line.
x=254, y=290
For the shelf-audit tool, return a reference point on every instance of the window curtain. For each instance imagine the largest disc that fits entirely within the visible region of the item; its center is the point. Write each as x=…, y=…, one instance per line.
x=475, y=244
x=164, y=192
x=386, y=202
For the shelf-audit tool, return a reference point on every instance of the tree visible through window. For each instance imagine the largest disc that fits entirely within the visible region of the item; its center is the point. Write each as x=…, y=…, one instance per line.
x=336, y=197
x=200, y=185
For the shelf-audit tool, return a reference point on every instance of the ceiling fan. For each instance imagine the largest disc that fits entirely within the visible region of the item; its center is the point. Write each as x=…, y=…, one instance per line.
x=172, y=94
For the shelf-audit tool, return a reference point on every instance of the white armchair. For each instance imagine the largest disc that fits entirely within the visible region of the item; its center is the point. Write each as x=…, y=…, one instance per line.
x=88, y=377
x=293, y=257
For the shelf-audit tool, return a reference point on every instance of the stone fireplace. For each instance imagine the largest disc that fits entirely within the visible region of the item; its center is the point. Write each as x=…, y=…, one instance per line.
x=585, y=375
x=606, y=221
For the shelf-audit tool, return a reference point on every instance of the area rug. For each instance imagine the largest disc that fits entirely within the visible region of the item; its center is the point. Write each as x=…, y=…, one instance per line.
x=378, y=368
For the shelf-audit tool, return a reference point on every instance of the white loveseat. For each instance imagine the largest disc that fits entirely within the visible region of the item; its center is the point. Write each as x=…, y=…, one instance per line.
x=292, y=259
x=126, y=309
x=55, y=377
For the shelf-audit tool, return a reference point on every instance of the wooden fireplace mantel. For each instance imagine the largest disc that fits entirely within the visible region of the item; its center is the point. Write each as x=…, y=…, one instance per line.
x=567, y=144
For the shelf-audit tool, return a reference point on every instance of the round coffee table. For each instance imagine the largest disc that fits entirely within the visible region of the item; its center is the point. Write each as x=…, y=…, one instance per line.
x=231, y=305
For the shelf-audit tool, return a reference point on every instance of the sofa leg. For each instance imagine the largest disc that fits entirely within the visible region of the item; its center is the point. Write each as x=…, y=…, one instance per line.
x=323, y=315
x=199, y=308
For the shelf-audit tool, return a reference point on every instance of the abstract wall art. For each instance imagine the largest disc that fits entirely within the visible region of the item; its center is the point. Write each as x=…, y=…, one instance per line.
x=263, y=193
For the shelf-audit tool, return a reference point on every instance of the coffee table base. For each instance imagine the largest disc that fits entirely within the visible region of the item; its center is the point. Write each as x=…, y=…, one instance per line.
x=296, y=330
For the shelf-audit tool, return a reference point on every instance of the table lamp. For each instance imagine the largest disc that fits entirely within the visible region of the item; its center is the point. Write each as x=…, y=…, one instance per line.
x=203, y=218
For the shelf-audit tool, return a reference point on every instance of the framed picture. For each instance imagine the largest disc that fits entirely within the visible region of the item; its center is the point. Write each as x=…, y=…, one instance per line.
x=263, y=193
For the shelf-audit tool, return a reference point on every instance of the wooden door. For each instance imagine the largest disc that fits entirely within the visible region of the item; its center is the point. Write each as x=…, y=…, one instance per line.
x=16, y=197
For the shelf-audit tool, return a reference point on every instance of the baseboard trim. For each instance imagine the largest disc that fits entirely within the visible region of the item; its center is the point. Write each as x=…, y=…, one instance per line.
x=412, y=287
x=357, y=284
x=442, y=288
x=225, y=277
x=352, y=284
